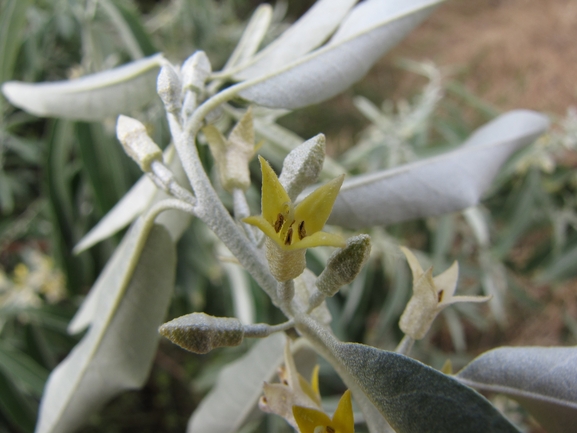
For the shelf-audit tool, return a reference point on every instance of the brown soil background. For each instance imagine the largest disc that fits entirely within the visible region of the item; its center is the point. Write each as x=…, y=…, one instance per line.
x=511, y=53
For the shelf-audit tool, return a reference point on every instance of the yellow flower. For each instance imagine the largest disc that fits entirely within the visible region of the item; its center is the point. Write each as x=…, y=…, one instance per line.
x=291, y=229
x=315, y=421
x=430, y=296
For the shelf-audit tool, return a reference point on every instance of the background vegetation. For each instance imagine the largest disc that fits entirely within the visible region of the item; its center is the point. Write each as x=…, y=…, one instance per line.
x=57, y=179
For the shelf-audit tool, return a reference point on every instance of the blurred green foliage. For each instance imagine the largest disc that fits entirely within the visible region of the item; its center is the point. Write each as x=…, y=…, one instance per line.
x=58, y=178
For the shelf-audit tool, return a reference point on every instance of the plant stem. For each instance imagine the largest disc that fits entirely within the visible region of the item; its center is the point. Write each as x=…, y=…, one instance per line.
x=405, y=346
x=209, y=208
x=241, y=210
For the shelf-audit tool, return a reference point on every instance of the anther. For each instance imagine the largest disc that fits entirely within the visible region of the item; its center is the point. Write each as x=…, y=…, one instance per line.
x=279, y=222
x=440, y=296
x=302, y=230
x=289, y=236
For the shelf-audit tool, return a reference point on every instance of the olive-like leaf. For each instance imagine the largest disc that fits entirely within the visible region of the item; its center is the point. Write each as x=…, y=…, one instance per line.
x=446, y=183
x=238, y=388
x=103, y=363
x=92, y=97
x=344, y=60
x=252, y=36
x=141, y=196
x=541, y=379
x=310, y=31
x=415, y=398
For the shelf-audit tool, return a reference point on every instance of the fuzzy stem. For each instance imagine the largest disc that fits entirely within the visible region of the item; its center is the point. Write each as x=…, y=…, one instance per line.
x=405, y=346
x=241, y=210
x=209, y=208
x=262, y=330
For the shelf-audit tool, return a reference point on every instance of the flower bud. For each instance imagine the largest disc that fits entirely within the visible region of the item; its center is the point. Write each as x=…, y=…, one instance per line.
x=303, y=165
x=200, y=333
x=232, y=155
x=169, y=88
x=136, y=142
x=195, y=71
x=344, y=265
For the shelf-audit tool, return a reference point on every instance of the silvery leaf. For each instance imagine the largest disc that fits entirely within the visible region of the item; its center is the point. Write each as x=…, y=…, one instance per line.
x=542, y=379
x=310, y=31
x=332, y=68
x=252, y=36
x=446, y=183
x=238, y=388
x=103, y=363
x=92, y=97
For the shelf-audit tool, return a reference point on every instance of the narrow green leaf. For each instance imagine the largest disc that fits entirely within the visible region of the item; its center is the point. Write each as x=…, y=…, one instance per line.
x=138, y=31
x=64, y=215
x=15, y=406
x=102, y=161
x=12, y=20
x=93, y=97
x=117, y=352
x=24, y=370
x=542, y=379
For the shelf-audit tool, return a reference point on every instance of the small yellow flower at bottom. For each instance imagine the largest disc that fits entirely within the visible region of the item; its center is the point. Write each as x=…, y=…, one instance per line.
x=314, y=421
x=291, y=229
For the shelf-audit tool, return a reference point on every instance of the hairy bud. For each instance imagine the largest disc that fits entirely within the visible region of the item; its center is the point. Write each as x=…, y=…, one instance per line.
x=200, y=333
x=342, y=268
x=136, y=142
x=303, y=165
x=195, y=71
x=169, y=88
x=344, y=265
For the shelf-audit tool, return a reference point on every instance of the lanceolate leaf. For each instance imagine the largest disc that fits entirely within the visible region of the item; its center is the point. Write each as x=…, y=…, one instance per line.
x=123, y=213
x=93, y=97
x=252, y=36
x=344, y=60
x=415, y=398
x=239, y=386
x=446, y=183
x=142, y=195
x=125, y=330
x=543, y=380
x=311, y=30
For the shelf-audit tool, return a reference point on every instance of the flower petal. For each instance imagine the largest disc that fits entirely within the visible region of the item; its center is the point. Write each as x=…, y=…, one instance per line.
x=343, y=419
x=414, y=264
x=309, y=419
x=318, y=239
x=311, y=389
x=457, y=299
x=267, y=229
x=316, y=208
x=447, y=281
x=274, y=195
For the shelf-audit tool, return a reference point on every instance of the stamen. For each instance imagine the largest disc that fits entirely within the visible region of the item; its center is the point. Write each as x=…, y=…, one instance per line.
x=330, y=429
x=289, y=236
x=440, y=296
x=302, y=230
x=279, y=222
